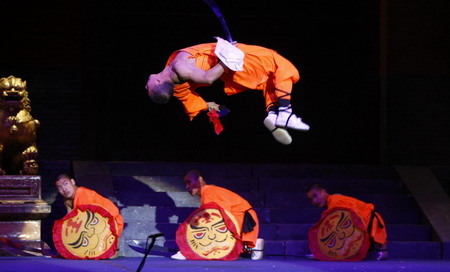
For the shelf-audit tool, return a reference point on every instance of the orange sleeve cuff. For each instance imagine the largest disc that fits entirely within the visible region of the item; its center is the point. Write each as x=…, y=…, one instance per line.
x=192, y=102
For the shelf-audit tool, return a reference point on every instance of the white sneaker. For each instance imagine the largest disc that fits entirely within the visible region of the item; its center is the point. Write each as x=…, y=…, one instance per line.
x=280, y=134
x=257, y=253
x=286, y=119
x=178, y=256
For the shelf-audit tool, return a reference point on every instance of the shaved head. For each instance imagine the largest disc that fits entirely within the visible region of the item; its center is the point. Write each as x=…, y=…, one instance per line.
x=317, y=195
x=314, y=186
x=193, y=181
x=159, y=91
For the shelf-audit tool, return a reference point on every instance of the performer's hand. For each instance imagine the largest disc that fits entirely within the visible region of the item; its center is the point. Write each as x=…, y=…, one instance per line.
x=213, y=106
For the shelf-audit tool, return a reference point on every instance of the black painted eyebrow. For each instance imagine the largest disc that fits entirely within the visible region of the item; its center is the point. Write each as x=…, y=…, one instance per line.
x=90, y=217
x=194, y=227
x=218, y=223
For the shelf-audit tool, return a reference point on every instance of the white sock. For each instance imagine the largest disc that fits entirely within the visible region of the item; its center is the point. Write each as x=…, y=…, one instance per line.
x=285, y=109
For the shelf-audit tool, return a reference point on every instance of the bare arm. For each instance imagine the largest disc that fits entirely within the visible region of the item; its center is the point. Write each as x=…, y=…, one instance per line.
x=185, y=70
x=68, y=203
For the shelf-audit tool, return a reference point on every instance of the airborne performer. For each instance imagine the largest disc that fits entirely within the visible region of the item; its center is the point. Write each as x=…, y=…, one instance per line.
x=240, y=67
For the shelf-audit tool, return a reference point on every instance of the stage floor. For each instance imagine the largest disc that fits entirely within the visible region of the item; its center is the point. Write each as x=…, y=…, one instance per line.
x=161, y=264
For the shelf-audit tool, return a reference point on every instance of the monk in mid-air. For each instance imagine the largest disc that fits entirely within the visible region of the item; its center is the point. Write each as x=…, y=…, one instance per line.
x=240, y=67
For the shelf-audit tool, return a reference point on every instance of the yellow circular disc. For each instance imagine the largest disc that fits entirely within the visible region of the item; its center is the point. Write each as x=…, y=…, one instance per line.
x=208, y=235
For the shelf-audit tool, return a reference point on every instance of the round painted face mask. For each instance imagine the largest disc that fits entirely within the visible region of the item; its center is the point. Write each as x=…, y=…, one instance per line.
x=87, y=232
x=340, y=235
x=209, y=234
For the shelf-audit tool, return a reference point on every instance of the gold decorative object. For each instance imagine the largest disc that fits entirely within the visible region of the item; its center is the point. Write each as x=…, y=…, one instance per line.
x=18, y=151
x=21, y=211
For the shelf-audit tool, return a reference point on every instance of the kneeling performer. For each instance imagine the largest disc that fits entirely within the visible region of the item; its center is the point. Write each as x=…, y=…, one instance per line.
x=222, y=228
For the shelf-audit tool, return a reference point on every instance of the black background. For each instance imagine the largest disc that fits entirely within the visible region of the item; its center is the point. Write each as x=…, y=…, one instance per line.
x=86, y=64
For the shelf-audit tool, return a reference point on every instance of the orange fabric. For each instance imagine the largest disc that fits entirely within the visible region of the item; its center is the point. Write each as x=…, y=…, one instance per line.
x=264, y=69
x=364, y=210
x=205, y=59
x=85, y=196
x=233, y=203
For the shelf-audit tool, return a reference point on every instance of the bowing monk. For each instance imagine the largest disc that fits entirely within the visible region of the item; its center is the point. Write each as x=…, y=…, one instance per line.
x=374, y=223
x=75, y=196
x=240, y=208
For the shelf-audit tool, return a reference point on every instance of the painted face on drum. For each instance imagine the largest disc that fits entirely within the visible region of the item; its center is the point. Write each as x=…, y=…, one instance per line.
x=209, y=236
x=88, y=234
x=338, y=238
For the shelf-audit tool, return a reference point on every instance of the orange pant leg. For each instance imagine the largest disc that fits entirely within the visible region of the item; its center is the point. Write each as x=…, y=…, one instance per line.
x=379, y=234
x=283, y=89
x=273, y=93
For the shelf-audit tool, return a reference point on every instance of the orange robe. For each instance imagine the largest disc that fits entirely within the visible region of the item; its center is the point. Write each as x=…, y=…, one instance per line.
x=264, y=69
x=85, y=196
x=364, y=210
x=235, y=204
